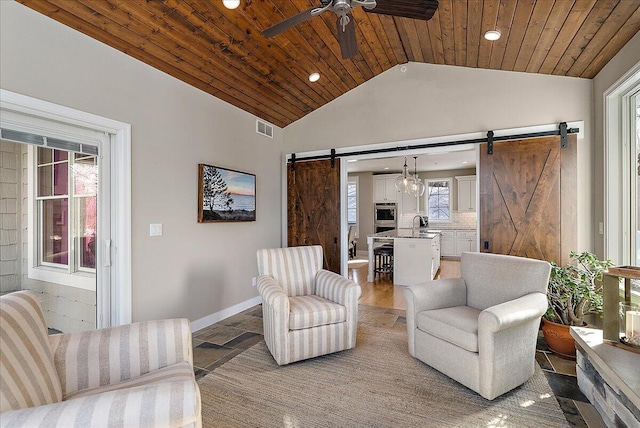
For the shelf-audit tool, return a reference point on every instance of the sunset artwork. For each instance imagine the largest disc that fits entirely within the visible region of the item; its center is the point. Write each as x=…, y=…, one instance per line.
x=225, y=195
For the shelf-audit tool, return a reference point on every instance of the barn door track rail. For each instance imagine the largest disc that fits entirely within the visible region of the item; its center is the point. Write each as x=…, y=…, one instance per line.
x=562, y=130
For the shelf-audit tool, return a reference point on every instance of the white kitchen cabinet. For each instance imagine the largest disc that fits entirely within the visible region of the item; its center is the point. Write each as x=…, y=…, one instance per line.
x=466, y=193
x=384, y=188
x=413, y=260
x=465, y=241
x=448, y=243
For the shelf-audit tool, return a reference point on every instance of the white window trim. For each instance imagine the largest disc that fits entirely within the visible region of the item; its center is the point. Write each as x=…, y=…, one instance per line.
x=617, y=147
x=119, y=300
x=426, y=199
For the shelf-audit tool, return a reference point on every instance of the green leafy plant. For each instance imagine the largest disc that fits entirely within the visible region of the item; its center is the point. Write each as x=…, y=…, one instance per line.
x=575, y=290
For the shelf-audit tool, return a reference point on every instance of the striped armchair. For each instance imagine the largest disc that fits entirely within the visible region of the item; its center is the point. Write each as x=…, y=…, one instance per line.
x=135, y=375
x=307, y=311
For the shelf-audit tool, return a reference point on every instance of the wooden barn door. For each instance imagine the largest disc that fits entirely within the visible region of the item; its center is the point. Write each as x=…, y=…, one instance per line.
x=528, y=198
x=313, y=208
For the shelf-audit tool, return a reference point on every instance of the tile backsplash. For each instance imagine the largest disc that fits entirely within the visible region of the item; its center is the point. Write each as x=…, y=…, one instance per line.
x=460, y=220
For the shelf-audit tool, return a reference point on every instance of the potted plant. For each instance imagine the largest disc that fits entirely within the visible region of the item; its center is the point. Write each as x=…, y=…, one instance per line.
x=574, y=292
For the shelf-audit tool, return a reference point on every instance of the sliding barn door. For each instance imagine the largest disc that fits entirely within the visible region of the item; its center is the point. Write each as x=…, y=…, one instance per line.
x=313, y=208
x=528, y=198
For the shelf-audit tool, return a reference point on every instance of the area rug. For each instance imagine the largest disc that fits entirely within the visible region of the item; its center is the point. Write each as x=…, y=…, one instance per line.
x=376, y=384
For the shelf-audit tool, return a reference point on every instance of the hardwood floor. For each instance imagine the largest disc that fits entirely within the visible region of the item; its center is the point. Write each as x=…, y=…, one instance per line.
x=382, y=293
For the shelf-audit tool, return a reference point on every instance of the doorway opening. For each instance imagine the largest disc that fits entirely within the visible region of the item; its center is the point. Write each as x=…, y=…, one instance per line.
x=66, y=212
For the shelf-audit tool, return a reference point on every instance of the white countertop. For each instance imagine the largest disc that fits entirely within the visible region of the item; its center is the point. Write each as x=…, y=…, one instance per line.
x=406, y=233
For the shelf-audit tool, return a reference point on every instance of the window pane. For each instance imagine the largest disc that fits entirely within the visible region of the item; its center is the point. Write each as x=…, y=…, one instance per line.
x=60, y=179
x=60, y=155
x=351, y=216
x=85, y=231
x=85, y=176
x=351, y=190
x=55, y=245
x=439, y=208
x=351, y=202
x=45, y=182
x=44, y=155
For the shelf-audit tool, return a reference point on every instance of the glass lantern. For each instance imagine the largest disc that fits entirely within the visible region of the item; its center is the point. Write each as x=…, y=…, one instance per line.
x=629, y=324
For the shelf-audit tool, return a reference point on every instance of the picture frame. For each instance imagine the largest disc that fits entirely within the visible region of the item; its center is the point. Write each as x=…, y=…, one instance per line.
x=225, y=195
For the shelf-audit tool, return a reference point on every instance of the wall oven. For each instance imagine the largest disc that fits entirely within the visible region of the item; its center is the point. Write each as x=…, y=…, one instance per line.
x=385, y=213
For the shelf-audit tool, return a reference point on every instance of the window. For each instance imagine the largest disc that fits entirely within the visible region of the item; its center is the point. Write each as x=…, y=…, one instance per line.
x=439, y=199
x=352, y=202
x=66, y=210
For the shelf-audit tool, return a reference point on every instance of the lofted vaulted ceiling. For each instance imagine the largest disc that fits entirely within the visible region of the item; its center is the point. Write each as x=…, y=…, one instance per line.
x=222, y=52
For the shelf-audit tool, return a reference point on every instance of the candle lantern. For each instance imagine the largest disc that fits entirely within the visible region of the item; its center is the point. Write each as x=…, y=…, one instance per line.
x=621, y=315
x=629, y=324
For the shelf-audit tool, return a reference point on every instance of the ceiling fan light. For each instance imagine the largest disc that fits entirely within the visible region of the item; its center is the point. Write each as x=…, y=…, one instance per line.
x=492, y=35
x=314, y=77
x=231, y=4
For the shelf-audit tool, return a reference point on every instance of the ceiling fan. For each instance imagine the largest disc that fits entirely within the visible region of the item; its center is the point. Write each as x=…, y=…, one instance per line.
x=416, y=9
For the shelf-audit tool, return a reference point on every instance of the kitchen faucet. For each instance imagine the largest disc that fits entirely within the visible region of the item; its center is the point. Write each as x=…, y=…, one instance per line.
x=423, y=222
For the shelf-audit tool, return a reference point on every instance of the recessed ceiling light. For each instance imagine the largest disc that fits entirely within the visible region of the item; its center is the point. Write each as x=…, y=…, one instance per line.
x=465, y=162
x=231, y=4
x=492, y=35
x=314, y=77
x=386, y=167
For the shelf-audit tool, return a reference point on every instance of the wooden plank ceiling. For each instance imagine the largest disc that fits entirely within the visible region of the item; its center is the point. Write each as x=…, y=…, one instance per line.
x=222, y=52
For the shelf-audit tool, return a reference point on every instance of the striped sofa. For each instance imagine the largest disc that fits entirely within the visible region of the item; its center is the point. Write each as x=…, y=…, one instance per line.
x=138, y=375
x=307, y=311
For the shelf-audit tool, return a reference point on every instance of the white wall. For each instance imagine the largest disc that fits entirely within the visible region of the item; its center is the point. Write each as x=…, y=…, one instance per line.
x=628, y=56
x=193, y=270
x=436, y=100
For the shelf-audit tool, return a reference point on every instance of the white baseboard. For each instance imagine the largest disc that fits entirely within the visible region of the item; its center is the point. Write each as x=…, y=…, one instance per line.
x=225, y=313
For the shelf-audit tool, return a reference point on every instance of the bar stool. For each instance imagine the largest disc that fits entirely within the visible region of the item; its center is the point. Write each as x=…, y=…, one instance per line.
x=383, y=260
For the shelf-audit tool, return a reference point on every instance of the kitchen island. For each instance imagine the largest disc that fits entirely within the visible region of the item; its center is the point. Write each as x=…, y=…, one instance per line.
x=416, y=254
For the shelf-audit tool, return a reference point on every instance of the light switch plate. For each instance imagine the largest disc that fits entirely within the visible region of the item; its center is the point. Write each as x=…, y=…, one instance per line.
x=155, y=229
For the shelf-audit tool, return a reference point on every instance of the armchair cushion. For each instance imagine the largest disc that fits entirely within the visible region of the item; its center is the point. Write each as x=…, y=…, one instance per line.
x=107, y=356
x=176, y=372
x=161, y=404
x=457, y=325
x=29, y=377
x=295, y=269
x=313, y=311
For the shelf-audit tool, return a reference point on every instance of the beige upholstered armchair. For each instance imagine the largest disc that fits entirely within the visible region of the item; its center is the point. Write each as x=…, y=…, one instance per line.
x=480, y=329
x=138, y=375
x=307, y=311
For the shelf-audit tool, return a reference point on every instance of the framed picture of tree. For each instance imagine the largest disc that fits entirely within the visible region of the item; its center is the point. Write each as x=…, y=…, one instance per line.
x=225, y=195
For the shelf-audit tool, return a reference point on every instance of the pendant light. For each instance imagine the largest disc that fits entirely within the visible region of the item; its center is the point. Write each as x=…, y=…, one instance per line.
x=404, y=181
x=417, y=187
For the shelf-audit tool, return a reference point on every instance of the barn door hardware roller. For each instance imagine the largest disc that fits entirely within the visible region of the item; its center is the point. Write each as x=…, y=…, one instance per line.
x=563, y=134
x=293, y=161
x=490, y=142
x=333, y=158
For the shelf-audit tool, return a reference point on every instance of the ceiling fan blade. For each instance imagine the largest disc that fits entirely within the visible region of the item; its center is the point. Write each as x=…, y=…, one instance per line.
x=416, y=9
x=288, y=23
x=347, y=37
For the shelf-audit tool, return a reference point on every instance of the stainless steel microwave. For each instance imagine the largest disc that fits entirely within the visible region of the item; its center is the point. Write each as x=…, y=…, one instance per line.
x=385, y=213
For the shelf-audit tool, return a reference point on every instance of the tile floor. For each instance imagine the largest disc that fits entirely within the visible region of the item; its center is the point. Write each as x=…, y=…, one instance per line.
x=217, y=344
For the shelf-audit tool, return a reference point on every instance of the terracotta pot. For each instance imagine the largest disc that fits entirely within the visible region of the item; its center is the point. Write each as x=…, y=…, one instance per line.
x=559, y=338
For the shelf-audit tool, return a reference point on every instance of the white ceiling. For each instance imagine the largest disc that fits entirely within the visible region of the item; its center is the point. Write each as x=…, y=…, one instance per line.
x=426, y=162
